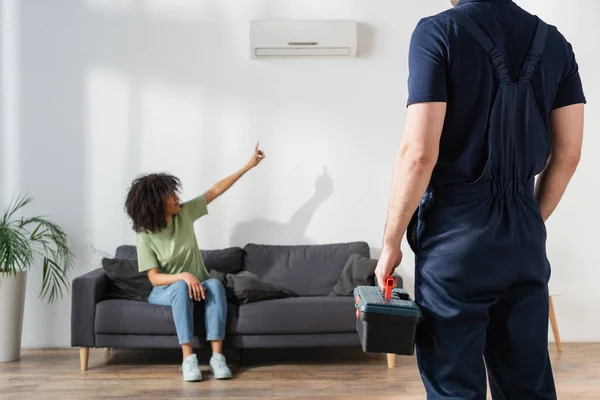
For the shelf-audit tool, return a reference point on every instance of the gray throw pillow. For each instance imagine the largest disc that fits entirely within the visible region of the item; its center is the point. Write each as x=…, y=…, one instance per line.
x=246, y=287
x=125, y=281
x=358, y=271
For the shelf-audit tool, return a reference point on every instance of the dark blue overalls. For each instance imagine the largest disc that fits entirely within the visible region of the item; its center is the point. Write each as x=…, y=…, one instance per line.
x=480, y=251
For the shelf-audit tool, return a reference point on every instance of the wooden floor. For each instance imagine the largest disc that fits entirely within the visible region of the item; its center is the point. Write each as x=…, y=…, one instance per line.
x=340, y=374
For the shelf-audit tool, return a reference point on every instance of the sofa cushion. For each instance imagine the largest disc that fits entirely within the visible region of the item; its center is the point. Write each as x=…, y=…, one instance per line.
x=142, y=318
x=309, y=270
x=229, y=260
x=297, y=315
x=124, y=280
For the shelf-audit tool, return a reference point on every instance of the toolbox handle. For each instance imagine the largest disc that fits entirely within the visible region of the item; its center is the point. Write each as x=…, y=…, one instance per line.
x=390, y=284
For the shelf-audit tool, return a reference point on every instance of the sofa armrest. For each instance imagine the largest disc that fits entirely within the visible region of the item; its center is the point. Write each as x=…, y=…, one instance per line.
x=87, y=291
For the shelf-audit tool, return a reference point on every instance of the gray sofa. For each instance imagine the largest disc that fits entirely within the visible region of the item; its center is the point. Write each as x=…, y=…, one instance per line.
x=312, y=319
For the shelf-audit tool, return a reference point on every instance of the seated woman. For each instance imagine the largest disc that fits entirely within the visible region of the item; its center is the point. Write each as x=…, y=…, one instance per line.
x=168, y=250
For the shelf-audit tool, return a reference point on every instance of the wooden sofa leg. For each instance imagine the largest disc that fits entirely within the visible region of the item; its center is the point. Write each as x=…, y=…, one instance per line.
x=84, y=353
x=391, y=360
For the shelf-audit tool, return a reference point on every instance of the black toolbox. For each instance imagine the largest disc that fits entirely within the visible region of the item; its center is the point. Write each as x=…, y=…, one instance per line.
x=386, y=320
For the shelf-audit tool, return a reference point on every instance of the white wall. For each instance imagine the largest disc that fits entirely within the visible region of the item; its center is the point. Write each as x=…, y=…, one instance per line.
x=107, y=90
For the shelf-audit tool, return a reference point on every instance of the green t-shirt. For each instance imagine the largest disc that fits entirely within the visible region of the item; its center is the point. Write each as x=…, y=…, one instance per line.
x=175, y=249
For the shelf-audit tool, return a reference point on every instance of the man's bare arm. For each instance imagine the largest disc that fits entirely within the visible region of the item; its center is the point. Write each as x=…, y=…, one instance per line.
x=566, y=129
x=417, y=156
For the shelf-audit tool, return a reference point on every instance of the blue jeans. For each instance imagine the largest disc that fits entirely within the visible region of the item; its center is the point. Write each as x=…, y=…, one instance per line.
x=177, y=296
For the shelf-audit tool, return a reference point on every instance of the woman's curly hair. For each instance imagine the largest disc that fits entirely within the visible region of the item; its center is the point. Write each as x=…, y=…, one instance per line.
x=145, y=201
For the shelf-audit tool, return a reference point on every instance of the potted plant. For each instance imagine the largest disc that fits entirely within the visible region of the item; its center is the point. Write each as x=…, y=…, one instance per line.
x=25, y=242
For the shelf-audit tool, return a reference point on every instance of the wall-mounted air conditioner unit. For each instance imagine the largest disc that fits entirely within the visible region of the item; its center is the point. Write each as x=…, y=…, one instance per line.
x=299, y=38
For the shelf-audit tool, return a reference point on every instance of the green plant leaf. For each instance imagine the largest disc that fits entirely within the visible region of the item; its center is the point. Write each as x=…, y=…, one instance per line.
x=27, y=239
x=15, y=205
x=16, y=253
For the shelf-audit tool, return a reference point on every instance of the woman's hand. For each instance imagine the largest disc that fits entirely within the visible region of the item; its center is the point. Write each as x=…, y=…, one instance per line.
x=195, y=288
x=388, y=261
x=257, y=157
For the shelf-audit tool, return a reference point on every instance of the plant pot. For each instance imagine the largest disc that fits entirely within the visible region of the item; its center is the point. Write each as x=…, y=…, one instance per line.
x=12, y=305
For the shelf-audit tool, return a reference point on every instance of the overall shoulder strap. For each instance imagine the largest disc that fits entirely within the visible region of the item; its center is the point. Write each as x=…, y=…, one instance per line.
x=484, y=40
x=537, y=50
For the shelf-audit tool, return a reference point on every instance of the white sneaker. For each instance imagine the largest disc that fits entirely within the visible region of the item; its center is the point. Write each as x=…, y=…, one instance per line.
x=191, y=371
x=218, y=366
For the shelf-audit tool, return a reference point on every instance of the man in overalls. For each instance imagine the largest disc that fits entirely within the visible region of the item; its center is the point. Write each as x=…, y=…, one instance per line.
x=495, y=99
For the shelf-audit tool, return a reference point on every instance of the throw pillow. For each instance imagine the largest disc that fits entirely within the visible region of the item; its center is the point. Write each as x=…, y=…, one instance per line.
x=358, y=271
x=229, y=260
x=246, y=287
x=124, y=280
x=249, y=288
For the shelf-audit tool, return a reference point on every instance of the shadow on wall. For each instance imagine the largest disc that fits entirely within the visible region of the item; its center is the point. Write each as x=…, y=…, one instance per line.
x=293, y=232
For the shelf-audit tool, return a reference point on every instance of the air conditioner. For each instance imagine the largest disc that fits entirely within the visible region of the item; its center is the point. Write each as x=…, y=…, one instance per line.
x=299, y=38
